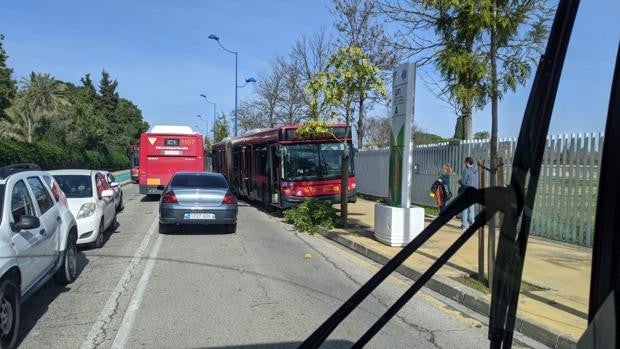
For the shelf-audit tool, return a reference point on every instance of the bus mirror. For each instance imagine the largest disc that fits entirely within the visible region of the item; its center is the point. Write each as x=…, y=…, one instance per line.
x=278, y=152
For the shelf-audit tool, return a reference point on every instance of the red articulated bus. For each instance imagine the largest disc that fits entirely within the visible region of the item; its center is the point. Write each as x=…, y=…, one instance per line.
x=166, y=150
x=277, y=168
x=134, y=160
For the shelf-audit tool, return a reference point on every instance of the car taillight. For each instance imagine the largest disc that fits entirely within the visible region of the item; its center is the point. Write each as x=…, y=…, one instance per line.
x=229, y=199
x=169, y=198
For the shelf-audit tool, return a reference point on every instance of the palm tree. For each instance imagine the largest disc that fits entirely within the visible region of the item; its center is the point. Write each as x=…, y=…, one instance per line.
x=41, y=96
x=17, y=124
x=44, y=94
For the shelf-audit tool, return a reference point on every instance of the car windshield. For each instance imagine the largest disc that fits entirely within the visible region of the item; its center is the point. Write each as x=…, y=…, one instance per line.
x=199, y=181
x=75, y=186
x=223, y=125
x=314, y=161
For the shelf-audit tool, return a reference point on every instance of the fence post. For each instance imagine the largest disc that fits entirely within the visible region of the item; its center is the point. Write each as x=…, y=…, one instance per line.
x=481, y=230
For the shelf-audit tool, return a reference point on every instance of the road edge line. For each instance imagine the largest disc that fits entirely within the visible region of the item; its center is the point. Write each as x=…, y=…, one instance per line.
x=105, y=316
x=122, y=335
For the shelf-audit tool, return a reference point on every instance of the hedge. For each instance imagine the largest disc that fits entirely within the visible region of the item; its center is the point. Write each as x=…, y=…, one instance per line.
x=51, y=157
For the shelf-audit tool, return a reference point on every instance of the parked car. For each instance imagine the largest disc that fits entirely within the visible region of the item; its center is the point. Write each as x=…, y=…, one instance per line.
x=118, y=191
x=197, y=198
x=37, y=241
x=91, y=201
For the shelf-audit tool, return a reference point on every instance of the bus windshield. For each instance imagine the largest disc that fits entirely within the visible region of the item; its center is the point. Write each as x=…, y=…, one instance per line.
x=314, y=161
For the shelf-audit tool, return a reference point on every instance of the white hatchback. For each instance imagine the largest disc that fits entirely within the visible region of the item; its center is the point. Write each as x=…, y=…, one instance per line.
x=91, y=201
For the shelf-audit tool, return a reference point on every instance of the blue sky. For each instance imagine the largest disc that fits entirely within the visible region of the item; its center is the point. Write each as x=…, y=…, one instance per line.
x=159, y=52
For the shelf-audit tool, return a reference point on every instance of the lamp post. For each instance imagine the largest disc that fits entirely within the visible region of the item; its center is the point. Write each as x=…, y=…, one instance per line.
x=214, y=116
x=206, y=124
x=217, y=38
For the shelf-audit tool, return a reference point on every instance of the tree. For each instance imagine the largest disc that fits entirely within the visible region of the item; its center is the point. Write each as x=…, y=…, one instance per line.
x=348, y=74
x=251, y=116
x=482, y=48
x=309, y=56
x=378, y=132
x=356, y=23
x=481, y=135
x=8, y=86
x=41, y=97
x=221, y=128
x=270, y=89
x=292, y=101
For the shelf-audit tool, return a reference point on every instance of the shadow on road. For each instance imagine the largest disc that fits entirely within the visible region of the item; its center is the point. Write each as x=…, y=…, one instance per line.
x=150, y=198
x=285, y=345
x=33, y=309
x=196, y=230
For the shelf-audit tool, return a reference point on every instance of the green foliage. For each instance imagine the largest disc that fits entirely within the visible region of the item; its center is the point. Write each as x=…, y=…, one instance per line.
x=59, y=125
x=348, y=75
x=314, y=128
x=481, y=135
x=311, y=214
x=8, y=87
x=420, y=138
x=221, y=128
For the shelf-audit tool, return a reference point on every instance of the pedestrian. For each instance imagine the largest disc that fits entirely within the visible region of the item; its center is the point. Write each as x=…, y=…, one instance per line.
x=469, y=178
x=441, y=187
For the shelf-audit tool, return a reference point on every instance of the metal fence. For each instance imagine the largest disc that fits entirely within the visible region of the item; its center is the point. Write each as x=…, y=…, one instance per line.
x=567, y=187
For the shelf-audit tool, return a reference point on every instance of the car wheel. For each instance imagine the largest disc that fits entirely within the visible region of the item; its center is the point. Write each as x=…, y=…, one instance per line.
x=121, y=206
x=9, y=313
x=99, y=241
x=68, y=270
x=164, y=228
x=114, y=223
x=231, y=228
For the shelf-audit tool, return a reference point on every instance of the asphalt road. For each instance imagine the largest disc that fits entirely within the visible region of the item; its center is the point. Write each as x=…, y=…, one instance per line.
x=265, y=286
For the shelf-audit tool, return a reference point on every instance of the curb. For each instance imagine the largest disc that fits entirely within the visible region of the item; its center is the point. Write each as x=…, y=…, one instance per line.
x=461, y=294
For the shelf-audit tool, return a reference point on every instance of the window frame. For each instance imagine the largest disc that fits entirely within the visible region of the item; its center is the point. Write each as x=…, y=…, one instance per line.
x=45, y=190
x=37, y=212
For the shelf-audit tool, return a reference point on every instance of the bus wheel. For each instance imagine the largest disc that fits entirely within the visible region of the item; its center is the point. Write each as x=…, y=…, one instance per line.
x=265, y=199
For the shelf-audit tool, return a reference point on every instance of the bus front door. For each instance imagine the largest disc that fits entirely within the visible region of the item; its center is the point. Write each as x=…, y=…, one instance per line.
x=273, y=168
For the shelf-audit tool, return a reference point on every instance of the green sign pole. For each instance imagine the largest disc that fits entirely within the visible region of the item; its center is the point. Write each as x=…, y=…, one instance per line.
x=403, y=92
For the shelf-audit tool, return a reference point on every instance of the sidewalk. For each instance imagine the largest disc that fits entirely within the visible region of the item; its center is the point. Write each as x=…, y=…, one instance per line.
x=555, y=302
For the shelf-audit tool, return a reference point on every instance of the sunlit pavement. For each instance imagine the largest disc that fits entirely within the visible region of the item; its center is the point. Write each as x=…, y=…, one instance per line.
x=261, y=287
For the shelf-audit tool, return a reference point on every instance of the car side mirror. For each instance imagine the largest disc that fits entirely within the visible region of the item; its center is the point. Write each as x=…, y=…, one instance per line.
x=107, y=193
x=26, y=222
x=114, y=184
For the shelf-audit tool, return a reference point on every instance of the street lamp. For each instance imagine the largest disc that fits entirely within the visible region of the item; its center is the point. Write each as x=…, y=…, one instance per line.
x=206, y=124
x=217, y=38
x=247, y=81
x=214, y=106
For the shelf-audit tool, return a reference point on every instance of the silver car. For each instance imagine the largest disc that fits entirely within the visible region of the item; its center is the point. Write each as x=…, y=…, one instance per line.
x=197, y=198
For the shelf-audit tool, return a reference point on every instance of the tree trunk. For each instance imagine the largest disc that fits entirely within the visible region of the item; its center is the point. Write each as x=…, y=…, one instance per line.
x=360, y=124
x=493, y=150
x=467, y=123
x=29, y=132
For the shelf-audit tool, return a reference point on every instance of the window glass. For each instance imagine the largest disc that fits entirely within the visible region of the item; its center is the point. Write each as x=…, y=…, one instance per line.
x=199, y=181
x=21, y=202
x=44, y=200
x=75, y=186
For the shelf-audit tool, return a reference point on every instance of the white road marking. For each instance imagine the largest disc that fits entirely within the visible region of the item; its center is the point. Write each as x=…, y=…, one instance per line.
x=136, y=299
x=105, y=316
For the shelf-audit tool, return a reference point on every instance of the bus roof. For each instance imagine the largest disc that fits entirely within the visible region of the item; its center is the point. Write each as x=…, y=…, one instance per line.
x=264, y=134
x=172, y=129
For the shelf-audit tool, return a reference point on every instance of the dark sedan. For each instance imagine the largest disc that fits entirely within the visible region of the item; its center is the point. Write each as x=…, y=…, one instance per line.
x=197, y=198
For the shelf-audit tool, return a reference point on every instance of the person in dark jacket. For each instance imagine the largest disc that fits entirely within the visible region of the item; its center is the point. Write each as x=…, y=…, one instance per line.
x=441, y=187
x=469, y=178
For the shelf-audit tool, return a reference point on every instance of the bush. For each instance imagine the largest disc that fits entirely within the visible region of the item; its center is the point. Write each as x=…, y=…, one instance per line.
x=312, y=214
x=51, y=156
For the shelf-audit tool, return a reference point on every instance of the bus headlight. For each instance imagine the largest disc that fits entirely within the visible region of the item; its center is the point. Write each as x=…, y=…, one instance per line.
x=87, y=210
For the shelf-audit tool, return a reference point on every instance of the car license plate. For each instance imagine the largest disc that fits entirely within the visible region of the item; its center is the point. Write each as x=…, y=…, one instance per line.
x=199, y=216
